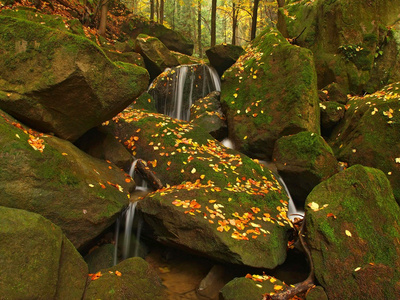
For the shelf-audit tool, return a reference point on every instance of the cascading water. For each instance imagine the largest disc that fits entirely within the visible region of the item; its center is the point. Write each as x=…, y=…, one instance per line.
x=129, y=216
x=293, y=212
x=176, y=89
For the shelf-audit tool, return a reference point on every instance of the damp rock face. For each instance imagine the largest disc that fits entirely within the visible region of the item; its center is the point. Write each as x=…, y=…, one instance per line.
x=216, y=201
x=349, y=218
x=38, y=261
x=270, y=92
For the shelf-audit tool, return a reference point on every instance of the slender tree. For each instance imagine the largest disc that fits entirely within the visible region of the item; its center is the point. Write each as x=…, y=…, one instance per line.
x=199, y=28
x=254, y=20
x=161, y=12
x=213, y=22
x=152, y=10
x=103, y=4
x=235, y=13
x=281, y=3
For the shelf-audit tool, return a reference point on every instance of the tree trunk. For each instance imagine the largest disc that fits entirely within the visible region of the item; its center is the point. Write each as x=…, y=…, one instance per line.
x=103, y=17
x=161, y=12
x=213, y=22
x=157, y=11
x=152, y=10
x=254, y=20
x=173, y=16
x=281, y=3
x=234, y=22
x=199, y=28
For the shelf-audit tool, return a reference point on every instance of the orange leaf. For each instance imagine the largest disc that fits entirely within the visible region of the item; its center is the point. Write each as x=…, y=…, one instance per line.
x=118, y=273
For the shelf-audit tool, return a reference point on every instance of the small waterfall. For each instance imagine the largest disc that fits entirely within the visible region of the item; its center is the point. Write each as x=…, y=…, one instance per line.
x=293, y=212
x=129, y=216
x=176, y=89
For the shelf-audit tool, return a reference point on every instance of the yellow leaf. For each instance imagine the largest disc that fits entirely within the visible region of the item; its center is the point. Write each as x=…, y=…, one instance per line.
x=348, y=233
x=314, y=206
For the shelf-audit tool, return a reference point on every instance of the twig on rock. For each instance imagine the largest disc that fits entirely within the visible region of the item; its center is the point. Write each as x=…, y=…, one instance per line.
x=148, y=175
x=303, y=286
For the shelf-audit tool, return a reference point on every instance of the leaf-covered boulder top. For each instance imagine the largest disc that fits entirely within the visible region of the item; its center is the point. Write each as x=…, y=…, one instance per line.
x=215, y=198
x=370, y=133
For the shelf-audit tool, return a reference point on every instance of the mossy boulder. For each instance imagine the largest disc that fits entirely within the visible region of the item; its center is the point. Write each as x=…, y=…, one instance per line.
x=59, y=82
x=223, y=56
x=172, y=39
x=132, y=279
x=303, y=160
x=331, y=114
x=206, y=112
x=355, y=45
x=216, y=201
x=52, y=177
x=101, y=257
x=38, y=261
x=251, y=287
x=156, y=55
x=270, y=92
x=176, y=89
x=370, y=133
x=353, y=229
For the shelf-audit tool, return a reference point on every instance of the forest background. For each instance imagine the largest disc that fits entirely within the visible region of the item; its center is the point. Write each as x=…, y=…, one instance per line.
x=205, y=22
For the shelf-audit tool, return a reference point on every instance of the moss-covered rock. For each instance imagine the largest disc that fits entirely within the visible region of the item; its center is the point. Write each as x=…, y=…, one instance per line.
x=253, y=287
x=38, y=261
x=52, y=177
x=59, y=82
x=223, y=56
x=331, y=114
x=370, y=133
x=100, y=258
x=268, y=93
x=156, y=55
x=132, y=279
x=303, y=160
x=353, y=43
x=316, y=293
x=170, y=38
x=206, y=113
x=353, y=230
x=217, y=201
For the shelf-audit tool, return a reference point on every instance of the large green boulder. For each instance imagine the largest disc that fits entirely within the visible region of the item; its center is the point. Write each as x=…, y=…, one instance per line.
x=156, y=55
x=353, y=230
x=170, y=38
x=206, y=112
x=132, y=279
x=369, y=134
x=37, y=260
x=216, y=201
x=271, y=91
x=355, y=44
x=44, y=174
x=59, y=82
x=223, y=56
x=303, y=160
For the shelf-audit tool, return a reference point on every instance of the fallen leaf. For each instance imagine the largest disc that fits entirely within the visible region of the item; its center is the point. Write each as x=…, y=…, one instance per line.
x=348, y=233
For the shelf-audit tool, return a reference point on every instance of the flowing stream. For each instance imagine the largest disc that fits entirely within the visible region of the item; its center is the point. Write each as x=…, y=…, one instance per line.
x=177, y=88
